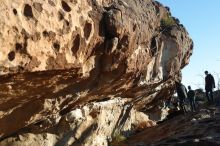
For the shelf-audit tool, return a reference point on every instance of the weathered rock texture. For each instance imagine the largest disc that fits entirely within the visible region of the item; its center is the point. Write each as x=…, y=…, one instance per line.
x=200, y=128
x=58, y=59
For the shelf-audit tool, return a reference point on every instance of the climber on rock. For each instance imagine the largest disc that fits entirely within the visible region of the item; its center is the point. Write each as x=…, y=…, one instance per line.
x=182, y=95
x=209, y=85
x=191, y=98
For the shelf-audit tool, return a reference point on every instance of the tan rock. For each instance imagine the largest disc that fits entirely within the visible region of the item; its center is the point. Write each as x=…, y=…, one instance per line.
x=61, y=57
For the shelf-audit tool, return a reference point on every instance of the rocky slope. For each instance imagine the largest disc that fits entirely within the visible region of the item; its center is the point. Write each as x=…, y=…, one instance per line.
x=201, y=128
x=75, y=72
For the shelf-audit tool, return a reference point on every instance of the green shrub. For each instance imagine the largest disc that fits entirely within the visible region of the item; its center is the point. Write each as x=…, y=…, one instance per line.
x=117, y=138
x=167, y=21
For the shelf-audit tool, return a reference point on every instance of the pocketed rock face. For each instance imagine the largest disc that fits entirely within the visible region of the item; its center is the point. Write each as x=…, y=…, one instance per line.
x=58, y=57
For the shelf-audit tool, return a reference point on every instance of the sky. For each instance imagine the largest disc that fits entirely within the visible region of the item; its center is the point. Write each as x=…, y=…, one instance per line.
x=202, y=21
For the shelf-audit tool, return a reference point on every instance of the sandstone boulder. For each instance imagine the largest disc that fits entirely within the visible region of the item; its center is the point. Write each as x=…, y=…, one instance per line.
x=59, y=57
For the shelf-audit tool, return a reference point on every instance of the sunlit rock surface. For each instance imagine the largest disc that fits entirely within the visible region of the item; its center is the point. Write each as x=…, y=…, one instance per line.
x=75, y=72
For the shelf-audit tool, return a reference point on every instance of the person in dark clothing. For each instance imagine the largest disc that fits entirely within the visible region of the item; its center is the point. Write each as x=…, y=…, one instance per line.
x=191, y=97
x=182, y=95
x=167, y=102
x=209, y=85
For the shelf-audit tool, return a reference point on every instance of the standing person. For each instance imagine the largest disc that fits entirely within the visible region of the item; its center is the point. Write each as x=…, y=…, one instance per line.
x=182, y=95
x=209, y=85
x=167, y=102
x=191, y=97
